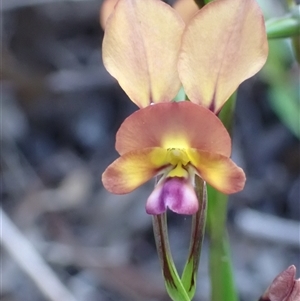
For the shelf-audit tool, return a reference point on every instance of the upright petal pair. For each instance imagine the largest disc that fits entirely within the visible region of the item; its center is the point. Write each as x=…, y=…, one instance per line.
x=151, y=52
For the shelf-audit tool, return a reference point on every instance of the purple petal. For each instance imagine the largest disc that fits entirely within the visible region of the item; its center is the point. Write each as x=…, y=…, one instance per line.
x=176, y=193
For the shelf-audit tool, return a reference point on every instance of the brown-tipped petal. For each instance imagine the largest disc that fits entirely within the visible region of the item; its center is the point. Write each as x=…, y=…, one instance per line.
x=133, y=169
x=141, y=47
x=223, y=45
x=218, y=171
x=174, y=125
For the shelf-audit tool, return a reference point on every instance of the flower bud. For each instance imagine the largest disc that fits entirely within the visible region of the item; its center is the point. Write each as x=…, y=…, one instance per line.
x=284, y=287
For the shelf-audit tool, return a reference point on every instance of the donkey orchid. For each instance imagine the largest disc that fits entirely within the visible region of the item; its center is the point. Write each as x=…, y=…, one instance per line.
x=151, y=52
x=174, y=141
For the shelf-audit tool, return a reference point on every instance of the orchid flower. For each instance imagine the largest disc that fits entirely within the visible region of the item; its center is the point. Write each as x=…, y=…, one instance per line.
x=151, y=52
x=175, y=141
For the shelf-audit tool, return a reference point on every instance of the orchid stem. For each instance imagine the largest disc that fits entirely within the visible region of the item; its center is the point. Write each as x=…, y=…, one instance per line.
x=220, y=265
x=221, y=272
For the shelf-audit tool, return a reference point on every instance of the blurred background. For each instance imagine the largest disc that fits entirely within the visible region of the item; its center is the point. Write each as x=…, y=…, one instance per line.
x=64, y=238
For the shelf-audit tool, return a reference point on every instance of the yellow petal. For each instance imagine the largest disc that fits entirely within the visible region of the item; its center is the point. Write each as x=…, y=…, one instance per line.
x=174, y=125
x=141, y=47
x=217, y=170
x=133, y=169
x=223, y=45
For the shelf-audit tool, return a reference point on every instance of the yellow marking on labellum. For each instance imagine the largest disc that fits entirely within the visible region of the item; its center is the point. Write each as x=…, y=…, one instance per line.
x=178, y=171
x=178, y=158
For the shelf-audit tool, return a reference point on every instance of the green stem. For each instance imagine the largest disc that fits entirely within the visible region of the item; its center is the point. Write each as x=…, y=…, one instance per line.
x=220, y=264
x=221, y=273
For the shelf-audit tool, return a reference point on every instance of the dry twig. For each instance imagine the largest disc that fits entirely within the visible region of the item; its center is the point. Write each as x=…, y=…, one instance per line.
x=31, y=262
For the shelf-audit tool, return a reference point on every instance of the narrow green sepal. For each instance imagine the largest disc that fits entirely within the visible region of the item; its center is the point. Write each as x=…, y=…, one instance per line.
x=190, y=271
x=173, y=284
x=283, y=27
